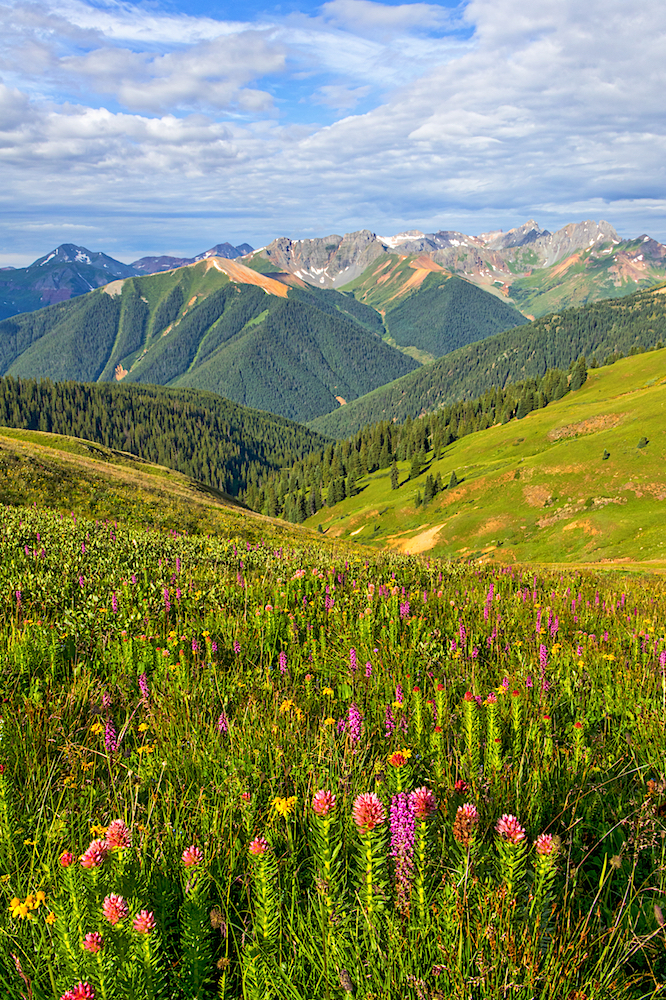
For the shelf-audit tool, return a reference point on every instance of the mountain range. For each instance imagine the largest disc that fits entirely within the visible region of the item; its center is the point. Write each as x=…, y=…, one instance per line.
x=69, y=271
x=533, y=269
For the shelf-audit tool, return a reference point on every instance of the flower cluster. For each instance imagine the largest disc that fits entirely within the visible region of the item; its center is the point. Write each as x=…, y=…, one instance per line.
x=24, y=911
x=368, y=812
x=118, y=836
x=465, y=823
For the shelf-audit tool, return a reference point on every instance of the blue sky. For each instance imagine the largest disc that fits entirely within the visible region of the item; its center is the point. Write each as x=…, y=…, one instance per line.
x=139, y=128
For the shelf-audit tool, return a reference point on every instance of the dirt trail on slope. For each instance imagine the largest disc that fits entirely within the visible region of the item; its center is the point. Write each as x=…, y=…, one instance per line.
x=420, y=543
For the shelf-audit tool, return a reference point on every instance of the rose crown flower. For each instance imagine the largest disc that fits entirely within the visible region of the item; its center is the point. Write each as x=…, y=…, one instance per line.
x=95, y=855
x=192, y=856
x=465, y=823
x=368, y=812
x=144, y=922
x=258, y=846
x=93, y=942
x=510, y=829
x=115, y=908
x=423, y=803
x=323, y=802
x=118, y=834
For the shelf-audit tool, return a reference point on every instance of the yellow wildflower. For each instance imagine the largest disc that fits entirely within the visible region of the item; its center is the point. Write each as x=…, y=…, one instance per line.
x=286, y=705
x=329, y=722
x=283, y=807
x=40, y=897
x=143, y=727
x=98, y=831
x=96, y=727
x=51, y=919
x=328, y=692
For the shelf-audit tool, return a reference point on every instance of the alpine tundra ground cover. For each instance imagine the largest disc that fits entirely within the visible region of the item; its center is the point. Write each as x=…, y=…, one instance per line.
x=268, y=770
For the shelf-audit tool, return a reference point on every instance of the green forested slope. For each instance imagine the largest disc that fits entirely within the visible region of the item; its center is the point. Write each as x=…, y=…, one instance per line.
x=602, y=329
x=288, y=350
x=200, y=434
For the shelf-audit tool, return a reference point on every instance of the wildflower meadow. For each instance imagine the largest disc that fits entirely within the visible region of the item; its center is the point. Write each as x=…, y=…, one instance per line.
x=242, y=768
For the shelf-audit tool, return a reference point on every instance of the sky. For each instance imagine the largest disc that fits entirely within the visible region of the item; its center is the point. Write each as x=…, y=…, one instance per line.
x=165, y=127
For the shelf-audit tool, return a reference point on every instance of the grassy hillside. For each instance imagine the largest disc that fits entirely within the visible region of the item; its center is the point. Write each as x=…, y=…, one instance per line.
x=538, y=489
x=197, y=433
x=427, y=311
x=68, y=474
x=599, y=330
x=273, y=344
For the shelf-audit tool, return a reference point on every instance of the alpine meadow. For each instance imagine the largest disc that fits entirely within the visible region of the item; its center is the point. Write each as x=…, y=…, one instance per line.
x=332, y=500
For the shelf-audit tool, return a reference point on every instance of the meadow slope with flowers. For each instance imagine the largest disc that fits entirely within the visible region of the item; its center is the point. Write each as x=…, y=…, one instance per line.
x=290, y=769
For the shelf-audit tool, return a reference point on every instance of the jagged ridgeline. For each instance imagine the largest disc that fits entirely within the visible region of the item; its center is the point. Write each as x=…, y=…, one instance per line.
x=601, y=331
x=275, y=345
x=198, y=433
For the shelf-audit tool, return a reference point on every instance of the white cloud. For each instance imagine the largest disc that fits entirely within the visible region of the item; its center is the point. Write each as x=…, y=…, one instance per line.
x=383, y=20
x=551, y=110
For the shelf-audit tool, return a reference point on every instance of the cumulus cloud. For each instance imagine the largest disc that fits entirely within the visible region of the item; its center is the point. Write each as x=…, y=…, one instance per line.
x=552, y=110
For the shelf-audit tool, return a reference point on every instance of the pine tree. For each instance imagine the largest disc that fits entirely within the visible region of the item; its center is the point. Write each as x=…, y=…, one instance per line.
x=453, y=481
x=394, y=476
x=415, y=467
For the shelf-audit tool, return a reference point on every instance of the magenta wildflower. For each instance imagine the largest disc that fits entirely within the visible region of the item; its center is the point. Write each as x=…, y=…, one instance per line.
x=404, y=610
x=223, y=723
x=510, y=829
x=323, y=802
x=115, y=908
x=368, y=812
x=389, y=722
x=282, y=661
x=114, y=603
x=352, y=661
x=110, y=737
x=368, y=669
x=237, y=647
x=144, y=922
x=355, y=722
x=143, y=686
x=402, y=845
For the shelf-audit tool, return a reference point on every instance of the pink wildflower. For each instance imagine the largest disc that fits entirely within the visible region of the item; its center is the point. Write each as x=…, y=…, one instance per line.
x=423, y=802
x=118, y=834
x=115, y=908
x=66, y=858
x=368, y=812
x=95, y=855
x=144, y=922
x=544, y=845
x=93, y=942
x=82, y=991
x=258, y=847
x=191, y=856
x=323, y=802
x=510, y=829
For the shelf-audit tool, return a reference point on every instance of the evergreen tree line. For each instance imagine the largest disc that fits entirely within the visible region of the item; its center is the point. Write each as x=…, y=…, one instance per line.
x=327, y=476
x=604, y=331
x=197, y=433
